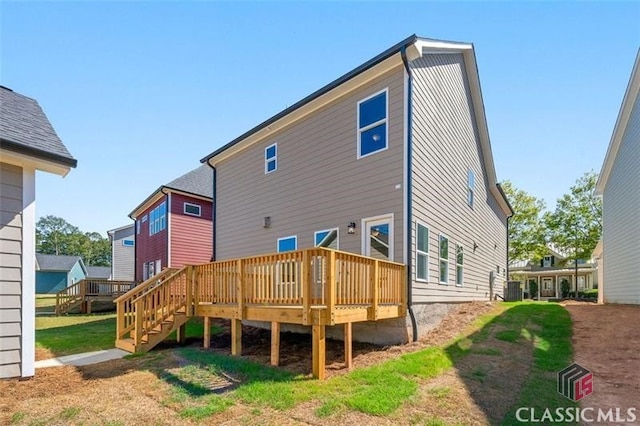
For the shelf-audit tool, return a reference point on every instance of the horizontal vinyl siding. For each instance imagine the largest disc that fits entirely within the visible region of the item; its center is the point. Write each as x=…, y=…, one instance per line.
x=621, y=218
x=150, y=247
x=10, y=269
x=123, y=256
x=319, y=182
x=445, y=146
x=191, y=236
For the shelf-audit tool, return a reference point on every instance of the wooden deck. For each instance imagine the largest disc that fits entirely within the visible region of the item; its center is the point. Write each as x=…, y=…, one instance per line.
x=314, y=287
x=85, y=292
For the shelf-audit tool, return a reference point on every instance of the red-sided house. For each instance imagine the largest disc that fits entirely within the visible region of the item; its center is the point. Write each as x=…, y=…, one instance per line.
x=173, y=226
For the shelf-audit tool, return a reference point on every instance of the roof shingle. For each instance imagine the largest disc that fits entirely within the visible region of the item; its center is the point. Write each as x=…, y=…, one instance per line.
x=198, y=181
x=51, y=262
x=24, y=127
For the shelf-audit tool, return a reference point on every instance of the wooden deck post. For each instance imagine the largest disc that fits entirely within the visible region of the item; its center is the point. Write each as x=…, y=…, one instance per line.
x=189, y=307
x=207, y=332
x=375, y=290
x=331, y=288
x=236, y=337
x=306, y=288
x=181, y=333
x=275, y=343
x=239, y=288
x=348, y=348
x=319, y=354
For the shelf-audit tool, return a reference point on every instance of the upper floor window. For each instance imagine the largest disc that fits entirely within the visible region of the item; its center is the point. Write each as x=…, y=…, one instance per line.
x=327, y=238
x=287, y=244
x=158, y=219
x=471, y=183
x=271, y=158
x=192, y=209
x=422, y=252
x=444, y=259
x=128, y=243
x=547, y=261
x=372, y=124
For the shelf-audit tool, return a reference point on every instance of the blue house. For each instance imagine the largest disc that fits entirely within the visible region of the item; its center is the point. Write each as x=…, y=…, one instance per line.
x=54, y=273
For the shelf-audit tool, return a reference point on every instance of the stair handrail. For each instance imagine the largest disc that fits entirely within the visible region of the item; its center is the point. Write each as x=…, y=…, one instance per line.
x=145, y=285
x=67, y=296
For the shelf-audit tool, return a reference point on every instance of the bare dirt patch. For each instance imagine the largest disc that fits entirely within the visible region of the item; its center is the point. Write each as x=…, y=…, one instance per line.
x=606, y=342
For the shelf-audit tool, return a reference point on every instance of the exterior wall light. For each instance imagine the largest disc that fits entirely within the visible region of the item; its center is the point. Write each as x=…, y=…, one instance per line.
x=351, y=228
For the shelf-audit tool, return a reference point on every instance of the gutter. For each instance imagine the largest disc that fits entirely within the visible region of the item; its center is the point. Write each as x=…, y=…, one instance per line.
x=508, y=217
x=213, y=213
x=412, y=316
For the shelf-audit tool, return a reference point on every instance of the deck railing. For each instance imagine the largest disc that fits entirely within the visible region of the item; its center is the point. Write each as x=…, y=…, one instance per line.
x=124, y=303
x=88, y=288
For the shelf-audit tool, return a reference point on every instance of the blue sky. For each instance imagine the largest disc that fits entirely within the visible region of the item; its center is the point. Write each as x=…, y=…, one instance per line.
x=140, y=91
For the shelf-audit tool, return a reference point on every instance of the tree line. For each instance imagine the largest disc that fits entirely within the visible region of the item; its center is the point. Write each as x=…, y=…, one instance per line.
x=54, y=235
x=574, y=227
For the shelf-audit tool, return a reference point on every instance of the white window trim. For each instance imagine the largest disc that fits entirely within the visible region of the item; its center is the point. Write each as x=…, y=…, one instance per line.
x=275, y=159
x=440, y=259
x=372, y=125
x=418, y=251
x=461, y=265
x=295, y=238
x=363, y=224
x=328, y=230
x=184, y=209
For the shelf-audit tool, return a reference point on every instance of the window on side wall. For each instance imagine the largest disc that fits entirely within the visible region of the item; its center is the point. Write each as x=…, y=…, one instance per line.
x=271, y=158
x=459, y=264
x=372, y=124
x=327, y=238
x=471, y=184
x=422, y=252
x=128, y=243
x=443, y=253
x=192, y=209
x=158, y=219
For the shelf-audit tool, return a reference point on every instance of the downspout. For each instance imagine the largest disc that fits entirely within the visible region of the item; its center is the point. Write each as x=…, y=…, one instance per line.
x=414, y=324
x=213, y=214
x=508, y=217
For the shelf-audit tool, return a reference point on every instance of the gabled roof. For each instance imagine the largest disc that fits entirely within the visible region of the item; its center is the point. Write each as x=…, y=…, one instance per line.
x=25, y=130
x=99, y=272
x=412, y=47
x=120, y=228
x=198, y=182
x=57, y=263
x=624, y=114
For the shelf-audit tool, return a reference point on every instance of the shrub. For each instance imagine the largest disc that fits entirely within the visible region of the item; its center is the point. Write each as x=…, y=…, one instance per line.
x=533, y=288
x=565, y=287
x=591, y=294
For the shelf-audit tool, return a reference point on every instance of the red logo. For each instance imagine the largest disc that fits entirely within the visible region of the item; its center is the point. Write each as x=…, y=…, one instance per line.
x=575, y=382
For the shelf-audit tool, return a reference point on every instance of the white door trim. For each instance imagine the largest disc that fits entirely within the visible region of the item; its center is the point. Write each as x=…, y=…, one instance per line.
x=374, y=220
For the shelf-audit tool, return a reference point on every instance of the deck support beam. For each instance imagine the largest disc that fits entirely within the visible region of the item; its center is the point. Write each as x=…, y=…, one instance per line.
x=181, y=334
x=319, y=353
x=275, y=343
x=207, y=332
x=348, y=348
x=236, y=337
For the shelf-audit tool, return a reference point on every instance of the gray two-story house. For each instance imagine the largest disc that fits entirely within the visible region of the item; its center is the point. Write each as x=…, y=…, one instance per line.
x=392, y=160
x=123, y=253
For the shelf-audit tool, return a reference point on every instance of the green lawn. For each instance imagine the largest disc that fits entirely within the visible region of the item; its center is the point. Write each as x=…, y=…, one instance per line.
x=72, y=334
x=383, y=389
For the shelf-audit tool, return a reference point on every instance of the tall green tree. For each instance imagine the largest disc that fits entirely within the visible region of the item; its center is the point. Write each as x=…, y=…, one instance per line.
x=575, y=226
x=526, y=226
x=54, y=235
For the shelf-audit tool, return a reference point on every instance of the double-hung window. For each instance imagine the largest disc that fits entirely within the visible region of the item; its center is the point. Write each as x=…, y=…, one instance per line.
x=471, y=183
x=459, y=264
x=372, y=124
x=422, y=252
x=443, y=252
x=271, y=158
x=158, y=219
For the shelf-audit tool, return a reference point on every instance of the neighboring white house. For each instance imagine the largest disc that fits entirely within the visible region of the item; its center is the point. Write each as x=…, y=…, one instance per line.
x=619, y=185
x=28, y=143
x=123, y=252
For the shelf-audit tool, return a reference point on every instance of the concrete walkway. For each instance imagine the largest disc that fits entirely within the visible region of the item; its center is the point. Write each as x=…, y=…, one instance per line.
x=83, y=359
